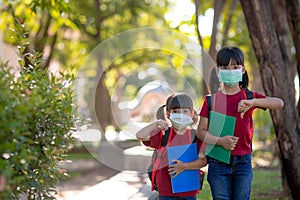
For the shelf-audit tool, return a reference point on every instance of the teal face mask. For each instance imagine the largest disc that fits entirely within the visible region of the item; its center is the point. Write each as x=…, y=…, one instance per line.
x=230, y=77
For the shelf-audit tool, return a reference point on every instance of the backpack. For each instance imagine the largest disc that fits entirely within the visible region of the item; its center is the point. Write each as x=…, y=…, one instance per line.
x=247, y=93
x=156, y=156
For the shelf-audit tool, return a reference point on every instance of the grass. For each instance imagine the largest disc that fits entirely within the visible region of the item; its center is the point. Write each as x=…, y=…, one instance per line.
x=74, y=156
x=266, y=185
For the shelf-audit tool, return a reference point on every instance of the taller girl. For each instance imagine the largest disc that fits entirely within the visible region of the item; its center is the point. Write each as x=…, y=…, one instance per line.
x=233, y=180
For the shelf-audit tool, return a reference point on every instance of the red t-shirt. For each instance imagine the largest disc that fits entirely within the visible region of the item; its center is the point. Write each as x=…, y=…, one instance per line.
x=228, y=104
x=162, y=175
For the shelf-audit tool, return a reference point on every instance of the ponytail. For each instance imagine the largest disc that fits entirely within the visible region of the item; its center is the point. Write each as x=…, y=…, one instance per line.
x=245, y=81
x=214, y=83
x=160, y=113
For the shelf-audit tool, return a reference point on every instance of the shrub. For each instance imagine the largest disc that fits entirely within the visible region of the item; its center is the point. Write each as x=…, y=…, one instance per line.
x=37, y=117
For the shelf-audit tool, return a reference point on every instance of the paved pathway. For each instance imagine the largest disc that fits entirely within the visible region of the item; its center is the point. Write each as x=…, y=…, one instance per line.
x=125, y=179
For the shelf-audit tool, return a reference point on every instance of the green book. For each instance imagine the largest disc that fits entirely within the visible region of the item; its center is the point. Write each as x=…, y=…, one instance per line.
x=220, y=125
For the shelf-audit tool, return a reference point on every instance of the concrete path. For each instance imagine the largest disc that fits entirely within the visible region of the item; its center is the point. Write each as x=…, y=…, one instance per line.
x=127, y=185
x=117, y=174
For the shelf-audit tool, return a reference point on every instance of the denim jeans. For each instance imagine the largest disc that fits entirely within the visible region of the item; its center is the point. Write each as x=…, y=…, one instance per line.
x=230, y=181
x=177, y=198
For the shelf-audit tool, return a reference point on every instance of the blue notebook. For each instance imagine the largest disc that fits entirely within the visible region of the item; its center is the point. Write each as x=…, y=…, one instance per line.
x=220, y=125
x=187, y=180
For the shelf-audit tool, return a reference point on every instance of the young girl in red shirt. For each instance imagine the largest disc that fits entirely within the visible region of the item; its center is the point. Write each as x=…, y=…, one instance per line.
x=180, y=112
x=232, y=181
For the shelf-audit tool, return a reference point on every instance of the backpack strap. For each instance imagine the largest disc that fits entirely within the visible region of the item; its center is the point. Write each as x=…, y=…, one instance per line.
x=248, y=93
x=165, y=137
x=209, y=100
x=193, y=135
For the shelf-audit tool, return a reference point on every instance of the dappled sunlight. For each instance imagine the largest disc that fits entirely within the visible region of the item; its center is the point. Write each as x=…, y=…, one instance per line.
x=263, y=155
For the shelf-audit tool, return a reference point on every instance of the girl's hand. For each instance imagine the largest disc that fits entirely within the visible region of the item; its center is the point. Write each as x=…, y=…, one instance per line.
x=162, y=124
x=244, y=106
x=177, y=168
x=228, y=142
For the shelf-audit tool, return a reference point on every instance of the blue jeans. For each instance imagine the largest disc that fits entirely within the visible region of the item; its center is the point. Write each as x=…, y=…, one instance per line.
x=230, y=181
x=177, y=198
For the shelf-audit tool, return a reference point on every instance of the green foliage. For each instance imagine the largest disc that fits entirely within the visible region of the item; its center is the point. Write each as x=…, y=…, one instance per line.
x=37, y=121
x=264, y=129
x=51, y=30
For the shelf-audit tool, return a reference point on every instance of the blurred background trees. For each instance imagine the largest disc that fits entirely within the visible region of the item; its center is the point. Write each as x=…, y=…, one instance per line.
x=66, y=32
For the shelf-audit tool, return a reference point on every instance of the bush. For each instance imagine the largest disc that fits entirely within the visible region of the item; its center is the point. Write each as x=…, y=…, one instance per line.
x=37, y=117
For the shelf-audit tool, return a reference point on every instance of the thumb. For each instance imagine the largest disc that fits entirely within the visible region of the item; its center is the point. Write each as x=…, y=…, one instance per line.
x=242, y=114
x=175, y=161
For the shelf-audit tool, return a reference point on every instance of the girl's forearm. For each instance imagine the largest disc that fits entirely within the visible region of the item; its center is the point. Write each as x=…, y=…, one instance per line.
x=269, y=102
x=144, y=133
x=208, y=138
x=197, y=164
x=228, y=142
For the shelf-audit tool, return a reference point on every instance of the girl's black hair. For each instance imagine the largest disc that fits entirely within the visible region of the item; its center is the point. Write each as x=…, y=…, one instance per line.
x=227, y=54
x=175, y=101
x=180, y=100
x=160, y=113
x=224, y=56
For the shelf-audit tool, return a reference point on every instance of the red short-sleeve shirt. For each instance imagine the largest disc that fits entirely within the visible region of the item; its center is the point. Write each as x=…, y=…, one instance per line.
x=162, y=175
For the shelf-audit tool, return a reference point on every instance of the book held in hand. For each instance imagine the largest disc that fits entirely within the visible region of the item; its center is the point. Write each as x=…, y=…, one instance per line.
x=187, y=180
x=220, y=125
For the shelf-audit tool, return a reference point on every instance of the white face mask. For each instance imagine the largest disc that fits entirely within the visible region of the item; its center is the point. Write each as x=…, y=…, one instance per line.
x=180, y=121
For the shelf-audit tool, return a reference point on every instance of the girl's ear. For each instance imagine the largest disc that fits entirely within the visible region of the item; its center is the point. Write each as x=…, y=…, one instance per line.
x=243, y=69
x=217, y=70
x=168, y=114
x=192, y=113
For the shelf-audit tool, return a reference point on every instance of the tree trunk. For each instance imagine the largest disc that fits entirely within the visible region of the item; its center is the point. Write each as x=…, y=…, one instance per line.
x=208, y=59
x=218, y=7
x=205, y=70
x=103, y=102
x=228, y=21
x=269, y=39
x=293, y=13
x=102, y=98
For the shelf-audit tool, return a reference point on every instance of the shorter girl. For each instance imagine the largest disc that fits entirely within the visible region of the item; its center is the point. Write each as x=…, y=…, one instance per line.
x=179, y=110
